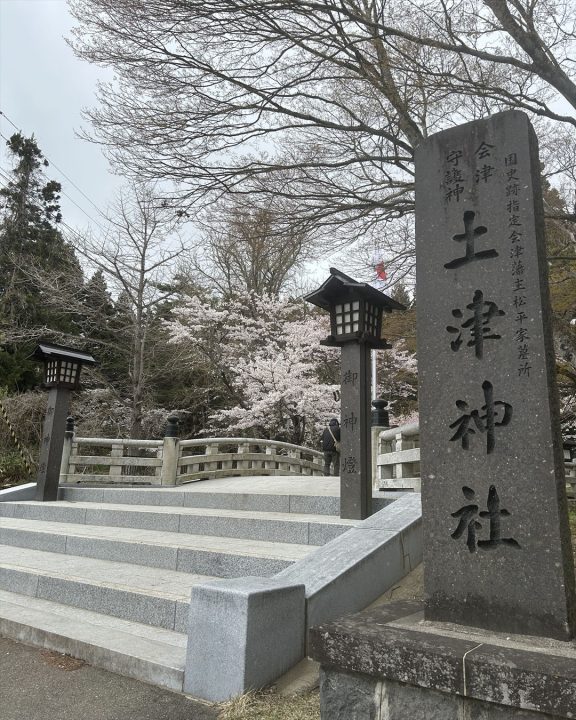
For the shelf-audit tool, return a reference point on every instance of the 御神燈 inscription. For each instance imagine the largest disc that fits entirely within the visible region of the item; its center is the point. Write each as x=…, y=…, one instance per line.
x=349, y=465
x=350, y=422
x=350, y=378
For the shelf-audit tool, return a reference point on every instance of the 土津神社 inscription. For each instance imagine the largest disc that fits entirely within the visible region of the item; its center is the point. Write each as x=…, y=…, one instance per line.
x=497, y=548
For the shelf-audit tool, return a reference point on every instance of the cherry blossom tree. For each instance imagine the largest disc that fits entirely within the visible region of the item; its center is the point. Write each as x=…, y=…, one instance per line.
x=273, y=377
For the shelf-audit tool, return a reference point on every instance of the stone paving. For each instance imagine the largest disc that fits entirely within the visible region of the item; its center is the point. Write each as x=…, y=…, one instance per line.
x=36, y=685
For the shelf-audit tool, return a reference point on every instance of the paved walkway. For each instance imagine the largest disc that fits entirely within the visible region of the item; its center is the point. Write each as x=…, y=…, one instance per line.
x=37, y=684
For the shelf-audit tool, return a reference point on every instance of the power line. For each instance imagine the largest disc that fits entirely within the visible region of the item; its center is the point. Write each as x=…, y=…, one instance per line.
x=75, y=233
x=3, y=114
x=10, y=121
x=63, y=192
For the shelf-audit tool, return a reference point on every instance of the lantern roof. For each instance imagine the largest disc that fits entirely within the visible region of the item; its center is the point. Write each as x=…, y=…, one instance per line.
x=340, y=286
x=50, y=351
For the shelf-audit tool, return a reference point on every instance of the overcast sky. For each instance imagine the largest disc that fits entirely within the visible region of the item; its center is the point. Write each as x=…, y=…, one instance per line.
x=43, y=88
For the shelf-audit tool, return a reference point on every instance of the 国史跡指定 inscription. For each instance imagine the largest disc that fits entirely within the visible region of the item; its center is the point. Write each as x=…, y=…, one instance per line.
x=491, y=461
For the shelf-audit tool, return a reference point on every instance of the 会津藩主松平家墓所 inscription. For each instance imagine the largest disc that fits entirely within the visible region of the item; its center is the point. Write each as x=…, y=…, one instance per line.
x=468, y=521
x=517, y=267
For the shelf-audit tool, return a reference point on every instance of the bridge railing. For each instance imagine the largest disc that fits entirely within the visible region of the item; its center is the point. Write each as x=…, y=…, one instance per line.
x=173, y=462
x=398, y=461
x=108, y=460
x=398, y=458
x=226, y=457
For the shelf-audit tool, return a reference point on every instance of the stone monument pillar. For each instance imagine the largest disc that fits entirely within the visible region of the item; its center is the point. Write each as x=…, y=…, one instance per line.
x=498, y=551
x=493, y=639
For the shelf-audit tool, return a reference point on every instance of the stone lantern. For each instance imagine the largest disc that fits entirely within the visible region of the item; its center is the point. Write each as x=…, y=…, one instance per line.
x=62, y=368
x=356, y=310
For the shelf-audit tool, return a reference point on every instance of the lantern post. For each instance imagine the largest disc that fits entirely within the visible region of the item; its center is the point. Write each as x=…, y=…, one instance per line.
x=356, y=311
x=62, y=368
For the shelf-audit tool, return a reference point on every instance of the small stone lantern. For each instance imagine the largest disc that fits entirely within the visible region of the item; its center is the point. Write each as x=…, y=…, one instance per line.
x=356, y=311
x=62, y=368
x=355, y=308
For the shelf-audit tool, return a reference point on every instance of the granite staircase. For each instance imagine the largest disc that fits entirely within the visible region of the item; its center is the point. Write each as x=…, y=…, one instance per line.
x=105, y=574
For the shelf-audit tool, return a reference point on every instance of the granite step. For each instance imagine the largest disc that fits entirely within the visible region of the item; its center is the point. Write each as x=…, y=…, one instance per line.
x=187, y=553
x=153, y=596
x=227, y=494
x=298, y=528
x=194, y=496
x=136, y=650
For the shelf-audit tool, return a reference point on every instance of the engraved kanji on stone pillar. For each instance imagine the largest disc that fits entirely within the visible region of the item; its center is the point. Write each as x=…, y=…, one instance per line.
x=497, y=552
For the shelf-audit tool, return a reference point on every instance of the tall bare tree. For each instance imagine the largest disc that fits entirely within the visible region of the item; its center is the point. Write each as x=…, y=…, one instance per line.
x=245, y=247
x=321, y=101
x=137, y=257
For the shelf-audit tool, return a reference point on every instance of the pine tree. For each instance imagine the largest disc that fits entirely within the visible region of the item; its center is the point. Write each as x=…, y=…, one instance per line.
x=29, y=238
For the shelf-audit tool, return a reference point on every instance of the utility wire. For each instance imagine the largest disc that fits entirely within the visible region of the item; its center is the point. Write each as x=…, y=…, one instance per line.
x=63, y=192
x=71, y=200
x=71, y=230
x=10, y=121
x=100, y=212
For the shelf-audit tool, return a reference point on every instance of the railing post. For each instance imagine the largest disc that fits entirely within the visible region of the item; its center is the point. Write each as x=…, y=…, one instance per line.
x=116, y=451
x=170, y=452
x=380, y=421
x=67, y=448
x=212, y=448
x=270, y=464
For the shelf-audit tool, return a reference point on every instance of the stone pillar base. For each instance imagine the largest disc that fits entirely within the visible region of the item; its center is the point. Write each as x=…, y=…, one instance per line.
x=388, y=663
